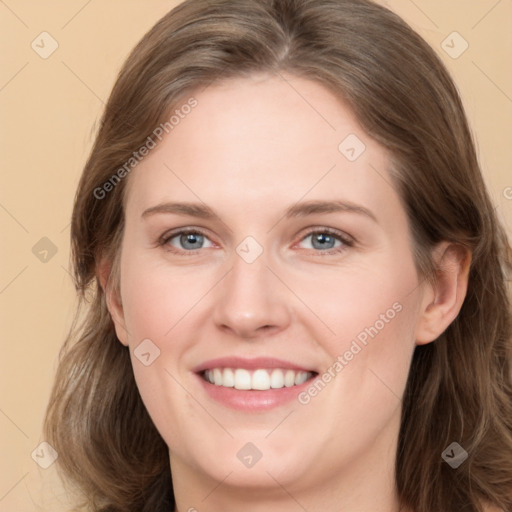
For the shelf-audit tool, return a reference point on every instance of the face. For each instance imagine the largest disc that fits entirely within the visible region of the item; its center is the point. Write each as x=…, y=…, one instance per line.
x=266, y=250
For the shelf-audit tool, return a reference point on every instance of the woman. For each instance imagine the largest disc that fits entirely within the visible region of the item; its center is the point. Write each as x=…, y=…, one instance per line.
x=297, y=281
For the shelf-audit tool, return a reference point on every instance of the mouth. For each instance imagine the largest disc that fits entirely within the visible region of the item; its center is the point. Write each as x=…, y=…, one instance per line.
x=253, y=385
x=260, y=379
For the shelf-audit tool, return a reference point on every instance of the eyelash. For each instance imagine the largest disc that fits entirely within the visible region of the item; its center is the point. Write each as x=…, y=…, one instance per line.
x=345, y=239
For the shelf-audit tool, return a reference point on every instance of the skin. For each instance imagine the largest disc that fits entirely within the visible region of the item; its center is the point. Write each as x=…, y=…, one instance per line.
x=249, y=150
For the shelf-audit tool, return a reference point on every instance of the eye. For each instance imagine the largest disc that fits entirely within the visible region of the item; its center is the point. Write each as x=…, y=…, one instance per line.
x=323, y=240
x=186, y=240
x=327, y=240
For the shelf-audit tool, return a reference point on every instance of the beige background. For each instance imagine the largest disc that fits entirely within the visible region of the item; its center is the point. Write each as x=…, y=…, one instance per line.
x=50, y=109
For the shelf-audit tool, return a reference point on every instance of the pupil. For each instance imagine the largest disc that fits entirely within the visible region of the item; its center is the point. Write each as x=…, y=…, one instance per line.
x=323, y=241
x=190, y=239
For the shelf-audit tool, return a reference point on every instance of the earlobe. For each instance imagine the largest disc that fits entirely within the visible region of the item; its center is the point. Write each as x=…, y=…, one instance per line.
x=106, y=278
x=443, y=300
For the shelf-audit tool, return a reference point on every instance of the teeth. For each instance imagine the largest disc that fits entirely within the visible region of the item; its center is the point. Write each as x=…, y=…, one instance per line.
x=261, y=379
x=228, y=378
x=277, y=379
x=242, y=379
x=217, y=376
x=289, y=378
x=301, y=377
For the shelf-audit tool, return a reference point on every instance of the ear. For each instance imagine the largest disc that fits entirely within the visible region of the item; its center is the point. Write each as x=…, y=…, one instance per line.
x=112, y=299
x=443, y=300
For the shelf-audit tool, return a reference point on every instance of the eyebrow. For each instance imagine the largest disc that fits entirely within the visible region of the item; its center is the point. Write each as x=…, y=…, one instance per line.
x=301, y=209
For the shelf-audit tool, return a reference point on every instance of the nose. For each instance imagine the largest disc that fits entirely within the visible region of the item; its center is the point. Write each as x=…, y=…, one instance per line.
x=252, y=302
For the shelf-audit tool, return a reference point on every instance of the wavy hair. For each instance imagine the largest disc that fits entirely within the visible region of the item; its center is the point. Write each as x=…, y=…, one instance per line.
x=459, y=386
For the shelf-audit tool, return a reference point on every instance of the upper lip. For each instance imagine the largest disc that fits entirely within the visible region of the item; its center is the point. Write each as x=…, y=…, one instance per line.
x=249, y=364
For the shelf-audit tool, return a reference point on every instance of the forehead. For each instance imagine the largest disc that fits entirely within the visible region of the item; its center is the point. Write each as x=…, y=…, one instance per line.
x=260, y=138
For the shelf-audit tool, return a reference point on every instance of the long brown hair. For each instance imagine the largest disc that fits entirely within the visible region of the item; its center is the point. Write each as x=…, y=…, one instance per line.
x=459, y=387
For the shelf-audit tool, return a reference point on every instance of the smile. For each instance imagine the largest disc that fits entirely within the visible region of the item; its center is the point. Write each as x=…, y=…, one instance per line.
x=261, y=379
x=253, y=384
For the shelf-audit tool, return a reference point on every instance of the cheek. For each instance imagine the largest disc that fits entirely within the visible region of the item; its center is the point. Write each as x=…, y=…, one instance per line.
x=159, y=313
x=161, y=304
x=156, y=297
x=372, y=311
x=360, y=302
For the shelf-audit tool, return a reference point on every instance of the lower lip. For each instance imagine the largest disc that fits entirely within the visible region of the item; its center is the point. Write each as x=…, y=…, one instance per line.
x=252, y=400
